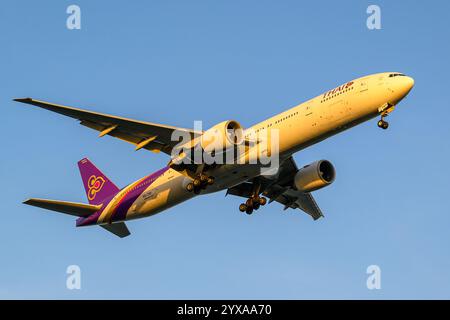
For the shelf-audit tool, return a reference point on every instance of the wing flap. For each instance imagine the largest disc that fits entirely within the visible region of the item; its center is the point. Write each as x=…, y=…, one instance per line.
x=299, y=200
x=71, y=208
x=307, y=203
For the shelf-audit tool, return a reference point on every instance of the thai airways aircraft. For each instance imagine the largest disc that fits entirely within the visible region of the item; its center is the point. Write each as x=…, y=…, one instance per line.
x=334, y=111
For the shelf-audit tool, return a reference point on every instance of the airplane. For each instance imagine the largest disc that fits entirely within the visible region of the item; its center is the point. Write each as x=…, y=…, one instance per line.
x=308, y=123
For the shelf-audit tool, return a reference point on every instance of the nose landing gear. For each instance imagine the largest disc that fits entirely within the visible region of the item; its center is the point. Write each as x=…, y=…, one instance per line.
x=384, y=111
x=252, y=203
x=383, y=124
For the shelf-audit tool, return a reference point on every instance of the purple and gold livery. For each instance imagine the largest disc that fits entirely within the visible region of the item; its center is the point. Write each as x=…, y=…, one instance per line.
x=297, y=128
x=115, y=203
x=98, y=187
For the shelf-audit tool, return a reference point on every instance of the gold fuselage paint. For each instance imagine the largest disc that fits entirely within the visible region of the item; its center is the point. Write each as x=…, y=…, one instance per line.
x=332, y=112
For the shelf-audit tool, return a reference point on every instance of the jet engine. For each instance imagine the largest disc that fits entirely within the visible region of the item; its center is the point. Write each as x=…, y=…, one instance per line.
x=314, y=176
x=222, y=136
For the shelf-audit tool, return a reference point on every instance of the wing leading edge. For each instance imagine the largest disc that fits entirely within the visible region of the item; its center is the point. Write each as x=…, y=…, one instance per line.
x=144, y=135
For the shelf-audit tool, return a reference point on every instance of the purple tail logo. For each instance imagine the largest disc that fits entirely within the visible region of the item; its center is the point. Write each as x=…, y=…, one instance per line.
x=95, y=184
x=98, y=187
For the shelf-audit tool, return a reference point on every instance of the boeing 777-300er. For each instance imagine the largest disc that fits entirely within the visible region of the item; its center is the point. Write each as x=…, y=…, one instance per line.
x=297, y=128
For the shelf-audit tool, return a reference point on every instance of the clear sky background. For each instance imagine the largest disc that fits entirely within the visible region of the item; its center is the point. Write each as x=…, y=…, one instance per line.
x=174, y=62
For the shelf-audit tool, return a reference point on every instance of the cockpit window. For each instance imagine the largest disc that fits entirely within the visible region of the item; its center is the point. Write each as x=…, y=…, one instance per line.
x=396, y=75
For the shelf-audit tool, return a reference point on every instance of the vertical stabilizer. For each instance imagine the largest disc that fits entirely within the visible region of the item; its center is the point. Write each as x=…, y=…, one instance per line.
x=98, y=187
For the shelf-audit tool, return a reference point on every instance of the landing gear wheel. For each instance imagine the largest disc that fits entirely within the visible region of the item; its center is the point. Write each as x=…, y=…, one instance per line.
x=253, y=203
x=262, y=201
x=197, y=190
x=200, y=182
x=190, y=187
x=256, y=203
x=197, y=183
x=203, y=179
x=383, y=124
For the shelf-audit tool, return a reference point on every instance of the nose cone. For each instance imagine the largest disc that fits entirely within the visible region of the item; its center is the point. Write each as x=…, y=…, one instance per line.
x=408, y=84
x=399, y=87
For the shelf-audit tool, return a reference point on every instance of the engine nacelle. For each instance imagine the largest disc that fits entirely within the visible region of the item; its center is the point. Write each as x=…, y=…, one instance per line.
x=222, y=136
x=314, y=176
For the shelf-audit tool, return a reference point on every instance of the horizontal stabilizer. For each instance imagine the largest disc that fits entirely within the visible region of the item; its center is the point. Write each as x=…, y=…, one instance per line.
x=72, y=208
x=119, y=229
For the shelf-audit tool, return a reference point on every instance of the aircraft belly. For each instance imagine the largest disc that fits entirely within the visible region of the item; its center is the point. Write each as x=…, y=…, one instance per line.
x=230, y=175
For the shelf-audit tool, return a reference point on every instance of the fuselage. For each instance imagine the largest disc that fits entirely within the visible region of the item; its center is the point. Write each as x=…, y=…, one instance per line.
x=308, y=123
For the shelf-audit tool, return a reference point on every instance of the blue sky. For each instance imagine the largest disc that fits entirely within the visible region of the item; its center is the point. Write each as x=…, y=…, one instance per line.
x=174, y=62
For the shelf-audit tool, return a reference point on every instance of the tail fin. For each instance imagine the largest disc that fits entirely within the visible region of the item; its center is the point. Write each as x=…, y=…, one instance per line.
x=96, y=184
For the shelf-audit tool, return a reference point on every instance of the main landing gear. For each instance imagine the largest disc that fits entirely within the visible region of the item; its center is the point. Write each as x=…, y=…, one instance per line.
x=200, y=182
x=255, y=201
x=252, y=203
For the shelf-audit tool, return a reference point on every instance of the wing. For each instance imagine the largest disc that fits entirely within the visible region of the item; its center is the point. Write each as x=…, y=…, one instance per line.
x=281, y=190
x=144, y=135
